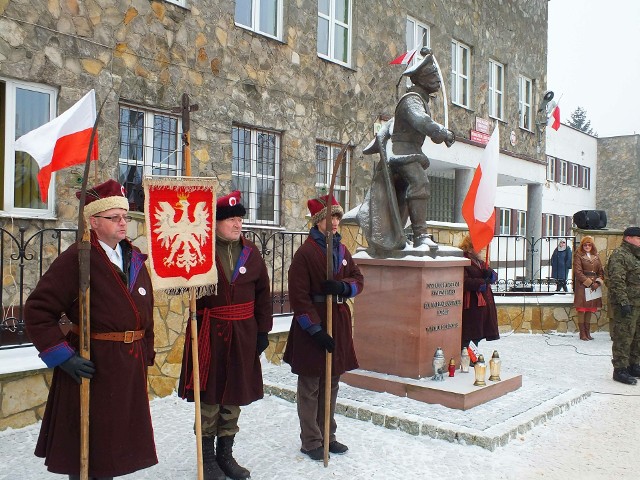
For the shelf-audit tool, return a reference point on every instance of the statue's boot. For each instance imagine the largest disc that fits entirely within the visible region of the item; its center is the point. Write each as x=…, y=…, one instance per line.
x=418, y=217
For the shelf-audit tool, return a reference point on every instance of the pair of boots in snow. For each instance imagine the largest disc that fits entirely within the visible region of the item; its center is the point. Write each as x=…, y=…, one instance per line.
x=221, y=464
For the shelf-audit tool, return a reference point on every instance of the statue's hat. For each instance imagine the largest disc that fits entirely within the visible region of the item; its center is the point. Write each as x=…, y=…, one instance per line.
x=427, y=64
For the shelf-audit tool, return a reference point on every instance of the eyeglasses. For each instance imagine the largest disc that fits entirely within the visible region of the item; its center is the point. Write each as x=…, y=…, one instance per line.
x=116, y=218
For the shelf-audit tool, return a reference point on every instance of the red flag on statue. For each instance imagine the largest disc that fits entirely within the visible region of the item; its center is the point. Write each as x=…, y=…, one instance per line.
x=478, y=208
x=405, y=58
x=62, y=142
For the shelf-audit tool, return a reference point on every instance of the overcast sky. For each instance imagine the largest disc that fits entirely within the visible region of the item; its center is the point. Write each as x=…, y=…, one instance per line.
x=594, y=62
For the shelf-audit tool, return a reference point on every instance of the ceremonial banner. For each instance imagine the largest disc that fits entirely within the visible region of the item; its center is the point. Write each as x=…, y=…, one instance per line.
x=180, y=215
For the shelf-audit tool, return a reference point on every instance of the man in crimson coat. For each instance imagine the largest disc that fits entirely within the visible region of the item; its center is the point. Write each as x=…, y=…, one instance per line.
x=233, y=327
x=308, y=340
x=120, y=431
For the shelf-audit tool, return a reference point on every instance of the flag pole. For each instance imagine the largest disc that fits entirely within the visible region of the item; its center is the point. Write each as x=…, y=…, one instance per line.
x=84, y=300
x=329, y=304
x=185, y=109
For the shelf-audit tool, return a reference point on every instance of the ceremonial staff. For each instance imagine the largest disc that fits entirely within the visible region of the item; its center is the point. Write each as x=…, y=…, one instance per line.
x=84, y=299
x=185, y=109
x=329, y=230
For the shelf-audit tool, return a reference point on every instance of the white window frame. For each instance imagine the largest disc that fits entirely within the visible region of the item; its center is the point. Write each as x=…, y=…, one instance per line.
x=496, y=90
x=504, y=226
x=333, y=23
x=574, y=174
x=521, y=228
x=250, y=200
x=550, y=223
x=564, y=172
x=173, y=167
x=525, y=96
x=418, y=35
x=256, y=10
x=343, y=188
x=9, y=208
x=562, y=225
x=586, y=174
x=460, y=74
x=551, y=169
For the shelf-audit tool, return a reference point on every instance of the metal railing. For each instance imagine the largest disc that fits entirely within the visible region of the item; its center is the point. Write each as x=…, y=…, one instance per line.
x=523, y=266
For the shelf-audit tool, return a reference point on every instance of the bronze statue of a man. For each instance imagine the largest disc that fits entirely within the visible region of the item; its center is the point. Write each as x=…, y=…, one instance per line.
x=400, y=187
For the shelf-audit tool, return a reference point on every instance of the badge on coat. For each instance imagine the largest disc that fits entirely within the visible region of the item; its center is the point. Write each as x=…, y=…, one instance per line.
x=142, y=291
x=242, y=270
x=344, y=262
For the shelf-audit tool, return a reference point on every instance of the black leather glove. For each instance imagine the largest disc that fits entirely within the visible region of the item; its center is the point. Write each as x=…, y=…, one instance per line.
x=263, y=342
x=78, y=367
x=323, y=339
x=334, y=287
x=626, y=310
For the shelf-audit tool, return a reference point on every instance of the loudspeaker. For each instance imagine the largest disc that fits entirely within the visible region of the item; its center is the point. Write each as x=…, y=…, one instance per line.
x=590, y=219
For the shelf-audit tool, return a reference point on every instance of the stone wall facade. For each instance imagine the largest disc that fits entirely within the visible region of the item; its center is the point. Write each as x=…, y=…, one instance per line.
x=619, y=195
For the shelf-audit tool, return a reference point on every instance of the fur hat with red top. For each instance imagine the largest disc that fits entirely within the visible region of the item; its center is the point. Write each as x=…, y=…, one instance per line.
x=105, y=196
x=318, y=208
x=230, y=206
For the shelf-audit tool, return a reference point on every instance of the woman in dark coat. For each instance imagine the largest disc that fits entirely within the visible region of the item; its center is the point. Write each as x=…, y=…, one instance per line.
x=561, y=264
x=308, y=341
x=479, y=316
x=588, y=273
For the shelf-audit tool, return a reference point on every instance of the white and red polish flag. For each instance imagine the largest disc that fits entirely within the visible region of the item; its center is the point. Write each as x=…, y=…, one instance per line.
x=555, y=118
x=405, y=58
x=478, y=208
x=62, y=142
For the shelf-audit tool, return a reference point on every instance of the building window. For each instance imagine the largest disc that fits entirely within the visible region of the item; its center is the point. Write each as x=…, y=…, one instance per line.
x=551, y=169
x=525, y=91
x=23, y=107
x=261, y=16
x=522, y=223
x=504, y=221
x=256, y=173
x=563, y=172
x=334, y=30
x=496, y=90
x=574, y=174
x=585, y=177
x=562, y=225
x=460, y=67
x=326, y=154
x=149, y=145
x=548, y=225
x=417, y=36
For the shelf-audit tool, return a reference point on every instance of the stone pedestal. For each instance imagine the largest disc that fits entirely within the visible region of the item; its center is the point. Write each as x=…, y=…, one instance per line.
x=409, y=307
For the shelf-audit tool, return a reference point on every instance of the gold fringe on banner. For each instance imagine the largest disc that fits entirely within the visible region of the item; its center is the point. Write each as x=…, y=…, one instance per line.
x=180, y=217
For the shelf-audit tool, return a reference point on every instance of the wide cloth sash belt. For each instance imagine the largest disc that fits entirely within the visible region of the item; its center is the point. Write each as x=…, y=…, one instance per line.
x=129, y=336
x=590, y=274
x=238, y=311
x=323, y=298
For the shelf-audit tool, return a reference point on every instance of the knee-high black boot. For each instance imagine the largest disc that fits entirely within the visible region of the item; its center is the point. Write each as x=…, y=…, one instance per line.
x=226, y=461
x=211, y=469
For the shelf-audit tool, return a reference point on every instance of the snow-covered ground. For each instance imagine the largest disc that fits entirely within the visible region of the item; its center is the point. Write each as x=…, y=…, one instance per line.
x=596, y=438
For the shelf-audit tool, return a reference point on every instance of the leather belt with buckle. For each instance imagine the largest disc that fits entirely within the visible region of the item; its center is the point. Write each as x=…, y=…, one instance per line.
x=129, y=336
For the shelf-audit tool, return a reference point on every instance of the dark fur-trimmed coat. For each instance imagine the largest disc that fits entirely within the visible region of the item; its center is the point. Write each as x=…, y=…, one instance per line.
x=121, y=435
x=306, y=274
x=478, y=321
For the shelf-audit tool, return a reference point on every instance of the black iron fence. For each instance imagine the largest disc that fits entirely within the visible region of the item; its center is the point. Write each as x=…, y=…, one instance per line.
x=523, y=266
x=25, y=255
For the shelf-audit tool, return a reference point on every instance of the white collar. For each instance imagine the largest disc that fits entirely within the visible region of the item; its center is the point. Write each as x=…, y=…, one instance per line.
x=114, y=254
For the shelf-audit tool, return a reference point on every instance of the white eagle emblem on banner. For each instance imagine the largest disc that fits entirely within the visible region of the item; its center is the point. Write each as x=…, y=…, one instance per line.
x=183, y=237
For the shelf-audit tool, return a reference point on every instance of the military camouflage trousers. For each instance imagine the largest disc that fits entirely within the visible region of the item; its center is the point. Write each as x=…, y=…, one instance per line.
x=219, y=420
x=625, y=334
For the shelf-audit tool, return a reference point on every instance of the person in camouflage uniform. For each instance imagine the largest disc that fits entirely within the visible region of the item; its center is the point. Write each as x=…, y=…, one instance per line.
x=623, y=271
